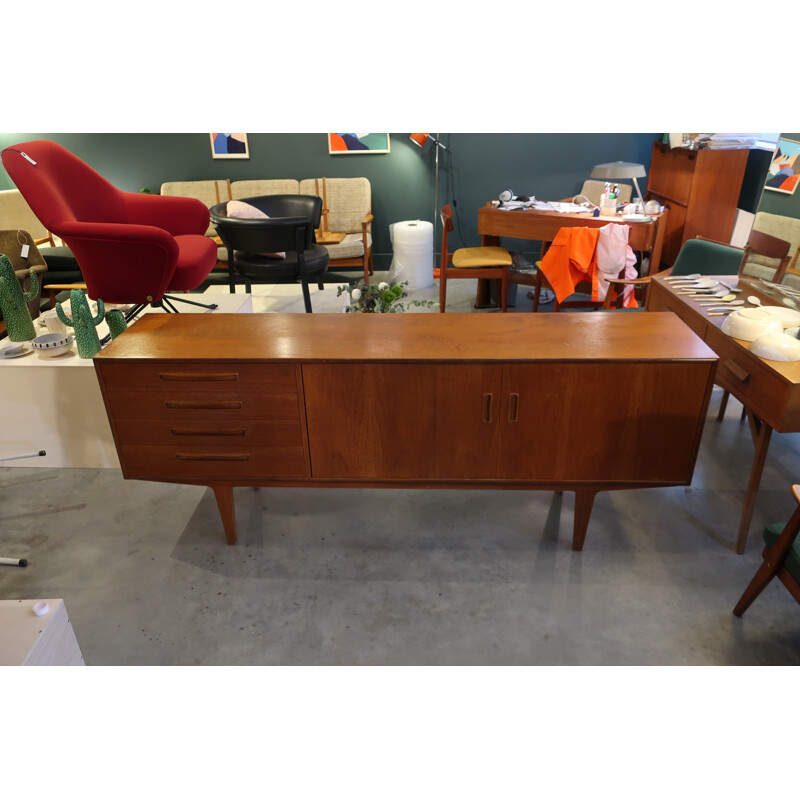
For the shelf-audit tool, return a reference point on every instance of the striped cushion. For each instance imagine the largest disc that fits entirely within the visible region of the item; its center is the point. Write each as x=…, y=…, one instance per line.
x=467, y=257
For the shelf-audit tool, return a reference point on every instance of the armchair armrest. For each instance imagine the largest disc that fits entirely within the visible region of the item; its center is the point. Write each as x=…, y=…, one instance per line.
x=178, y=216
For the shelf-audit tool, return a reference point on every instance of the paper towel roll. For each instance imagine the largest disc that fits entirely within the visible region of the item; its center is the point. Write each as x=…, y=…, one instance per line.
x=412, y=245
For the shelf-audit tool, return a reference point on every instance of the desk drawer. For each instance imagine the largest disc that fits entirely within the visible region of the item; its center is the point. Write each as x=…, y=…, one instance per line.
x=223, y=375
x=208, y=432
x=207, y=463
x=179, y=405
x=749, y=379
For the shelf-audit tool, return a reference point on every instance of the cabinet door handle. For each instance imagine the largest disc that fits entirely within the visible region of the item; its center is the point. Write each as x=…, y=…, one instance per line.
x=202, y=404
x=513, y=407
x=198, y=376
x=201, y=432
x=487, y=407
x=212, y=456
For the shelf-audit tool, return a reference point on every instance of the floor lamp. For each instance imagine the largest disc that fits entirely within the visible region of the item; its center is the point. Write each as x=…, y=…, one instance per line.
x=420, y=139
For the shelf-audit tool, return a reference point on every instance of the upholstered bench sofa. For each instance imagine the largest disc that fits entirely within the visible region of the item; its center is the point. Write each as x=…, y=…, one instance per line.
x=348, y=202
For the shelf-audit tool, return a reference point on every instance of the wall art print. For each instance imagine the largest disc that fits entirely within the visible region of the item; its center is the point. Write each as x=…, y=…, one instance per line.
x=784, y=170
x=353, y=143
x=229, y=145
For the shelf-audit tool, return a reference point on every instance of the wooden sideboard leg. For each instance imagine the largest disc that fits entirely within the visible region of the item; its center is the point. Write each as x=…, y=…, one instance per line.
x=227, y=511
x=584, y=500
x=761, y=435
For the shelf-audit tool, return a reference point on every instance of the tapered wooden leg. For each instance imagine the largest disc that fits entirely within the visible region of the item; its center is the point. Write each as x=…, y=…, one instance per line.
x=584, y=500
x=766, y=572
x=442, y=290
x=227, y=511
x=723, y=404
x=761, y=436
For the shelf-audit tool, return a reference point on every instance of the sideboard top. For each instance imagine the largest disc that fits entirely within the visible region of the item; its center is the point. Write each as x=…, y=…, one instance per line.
x=614, y=335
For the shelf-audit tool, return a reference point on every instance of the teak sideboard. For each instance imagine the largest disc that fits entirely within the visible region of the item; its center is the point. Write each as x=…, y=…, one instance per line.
x=579, y=402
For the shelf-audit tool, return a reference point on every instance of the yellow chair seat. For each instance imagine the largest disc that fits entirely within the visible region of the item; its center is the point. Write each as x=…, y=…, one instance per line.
x=467, y=257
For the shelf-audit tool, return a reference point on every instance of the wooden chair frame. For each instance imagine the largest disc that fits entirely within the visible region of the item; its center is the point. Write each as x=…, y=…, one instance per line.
x=446, y=271
x=773, y=565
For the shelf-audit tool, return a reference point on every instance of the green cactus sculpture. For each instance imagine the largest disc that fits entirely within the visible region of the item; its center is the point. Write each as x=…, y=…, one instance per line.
x=83, y=322
x=116, y=322
x=13, y=302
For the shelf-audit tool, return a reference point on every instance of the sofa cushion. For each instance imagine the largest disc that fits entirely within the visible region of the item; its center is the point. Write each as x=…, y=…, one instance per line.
x=349, y=200
x=352, y=246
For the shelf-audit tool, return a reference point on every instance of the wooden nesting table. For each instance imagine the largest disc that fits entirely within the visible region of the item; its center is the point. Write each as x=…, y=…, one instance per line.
x=580, y=402
x=769, y=390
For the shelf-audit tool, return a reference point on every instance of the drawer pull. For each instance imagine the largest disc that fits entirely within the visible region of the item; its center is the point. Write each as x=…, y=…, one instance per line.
x=201, y=432
x=740, y=373
x=212, y=456
x=198, y=376
x=513, y=407
x=487, y=407
x=202, y=404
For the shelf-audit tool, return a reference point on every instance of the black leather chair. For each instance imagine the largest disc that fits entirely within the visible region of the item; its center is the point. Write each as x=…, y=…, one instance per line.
x=289, y=227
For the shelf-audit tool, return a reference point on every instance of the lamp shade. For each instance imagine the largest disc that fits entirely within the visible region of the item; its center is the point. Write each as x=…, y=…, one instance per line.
x=619, y=170
x=419, y=138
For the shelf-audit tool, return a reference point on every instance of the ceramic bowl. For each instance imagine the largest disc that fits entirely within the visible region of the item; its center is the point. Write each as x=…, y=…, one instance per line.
x=53, y=344
x=777, y=347
x=750, y=323
x=788, y=316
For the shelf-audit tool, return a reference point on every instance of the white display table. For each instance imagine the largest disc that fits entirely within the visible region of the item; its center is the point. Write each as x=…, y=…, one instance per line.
x=30, y=640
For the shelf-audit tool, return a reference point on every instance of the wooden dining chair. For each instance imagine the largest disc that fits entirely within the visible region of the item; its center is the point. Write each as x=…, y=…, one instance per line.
x=763, y=244
x=471, y=262
x=781, y=559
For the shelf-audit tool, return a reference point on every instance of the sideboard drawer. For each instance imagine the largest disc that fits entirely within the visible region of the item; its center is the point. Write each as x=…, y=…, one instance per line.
x=177, y=405
x=192, y=462
x=210, y=432
x=151, y=376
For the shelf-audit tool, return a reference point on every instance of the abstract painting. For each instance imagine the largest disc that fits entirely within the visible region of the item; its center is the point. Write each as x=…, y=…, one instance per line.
x=784, y=171
x=341, y=143
x=229, y=145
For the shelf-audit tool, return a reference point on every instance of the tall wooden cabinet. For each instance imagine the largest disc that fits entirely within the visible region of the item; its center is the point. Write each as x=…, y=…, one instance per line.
x=701, y=188
x=585, y=402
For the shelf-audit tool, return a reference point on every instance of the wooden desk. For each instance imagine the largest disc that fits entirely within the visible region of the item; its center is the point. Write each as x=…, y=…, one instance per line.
x=769, y=390
x=494, y=223
x=426, y=401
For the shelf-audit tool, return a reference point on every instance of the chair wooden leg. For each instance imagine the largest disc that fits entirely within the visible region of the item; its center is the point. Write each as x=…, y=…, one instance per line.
x=537, y=289
x=504, y=291
x=442, y=290
x=766, y=572
x=723, y=405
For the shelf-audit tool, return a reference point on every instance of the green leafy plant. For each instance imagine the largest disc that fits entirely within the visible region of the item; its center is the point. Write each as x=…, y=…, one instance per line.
x=367, y=298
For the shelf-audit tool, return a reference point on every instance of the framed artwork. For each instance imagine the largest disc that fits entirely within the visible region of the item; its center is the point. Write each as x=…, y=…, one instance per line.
x=784, y=169
x=229, y=145
x=351, y=143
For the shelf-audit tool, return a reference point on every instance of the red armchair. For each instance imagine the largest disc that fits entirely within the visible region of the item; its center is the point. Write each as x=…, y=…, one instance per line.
x=131, y=248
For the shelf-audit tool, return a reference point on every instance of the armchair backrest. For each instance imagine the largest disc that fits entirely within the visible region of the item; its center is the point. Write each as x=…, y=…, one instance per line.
x=707, y=258
x=16, y=213
x=60, y=187
x=348, y=200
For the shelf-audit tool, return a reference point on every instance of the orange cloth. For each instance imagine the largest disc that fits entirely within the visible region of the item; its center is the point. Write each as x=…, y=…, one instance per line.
x=572, y=258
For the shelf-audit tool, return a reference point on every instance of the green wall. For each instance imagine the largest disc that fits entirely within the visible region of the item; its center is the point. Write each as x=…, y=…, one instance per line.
x=787, y=205
x=475, y=168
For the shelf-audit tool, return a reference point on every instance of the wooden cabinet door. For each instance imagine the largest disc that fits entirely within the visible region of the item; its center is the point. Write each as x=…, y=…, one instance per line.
x=611, y=421
x=410, y=421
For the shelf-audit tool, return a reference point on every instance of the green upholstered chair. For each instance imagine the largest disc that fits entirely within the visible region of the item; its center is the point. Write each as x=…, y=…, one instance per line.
x=699, y=255
x=781, y=559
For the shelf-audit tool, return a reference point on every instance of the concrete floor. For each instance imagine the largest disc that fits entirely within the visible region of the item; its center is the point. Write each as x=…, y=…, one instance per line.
x=375, y=577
